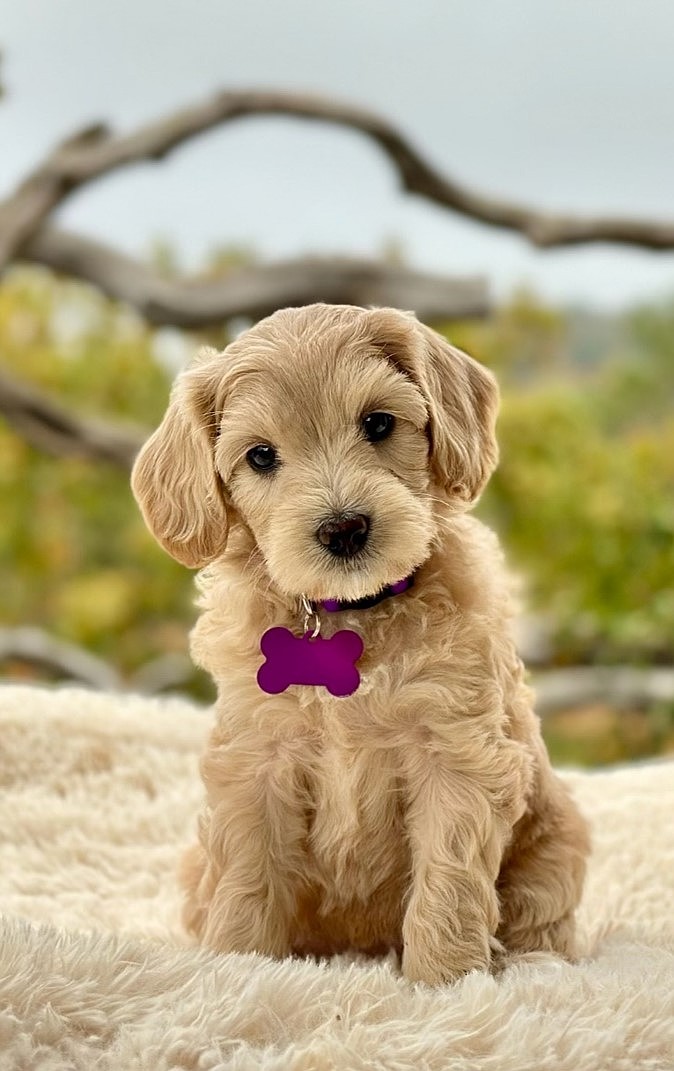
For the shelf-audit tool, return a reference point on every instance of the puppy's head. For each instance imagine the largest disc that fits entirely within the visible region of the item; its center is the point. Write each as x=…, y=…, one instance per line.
x=329, y=431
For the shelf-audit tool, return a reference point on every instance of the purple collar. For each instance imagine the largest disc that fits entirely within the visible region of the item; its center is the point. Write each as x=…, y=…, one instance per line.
x=333, y=605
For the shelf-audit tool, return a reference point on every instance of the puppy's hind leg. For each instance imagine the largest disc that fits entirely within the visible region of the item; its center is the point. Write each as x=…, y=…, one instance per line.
x=541, y=877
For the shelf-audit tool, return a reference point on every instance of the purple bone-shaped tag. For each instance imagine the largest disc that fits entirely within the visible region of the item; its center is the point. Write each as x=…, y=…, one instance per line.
x=302, y=660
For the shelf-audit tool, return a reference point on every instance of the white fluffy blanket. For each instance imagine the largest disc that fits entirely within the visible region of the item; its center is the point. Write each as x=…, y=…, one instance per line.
x=99, y=793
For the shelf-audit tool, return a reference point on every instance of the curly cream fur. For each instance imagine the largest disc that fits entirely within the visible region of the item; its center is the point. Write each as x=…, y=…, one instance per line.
x=420, y=813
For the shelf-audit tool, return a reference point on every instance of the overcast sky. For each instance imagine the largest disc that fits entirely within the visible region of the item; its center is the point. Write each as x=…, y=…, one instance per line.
x=566, y=104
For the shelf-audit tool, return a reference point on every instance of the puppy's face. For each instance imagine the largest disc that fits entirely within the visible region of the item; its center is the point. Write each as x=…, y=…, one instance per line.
x=330, y=431
x=323, y=451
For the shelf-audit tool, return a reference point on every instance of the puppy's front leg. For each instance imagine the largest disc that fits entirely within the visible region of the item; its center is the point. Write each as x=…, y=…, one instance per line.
x=251, y=842
x=457, y=835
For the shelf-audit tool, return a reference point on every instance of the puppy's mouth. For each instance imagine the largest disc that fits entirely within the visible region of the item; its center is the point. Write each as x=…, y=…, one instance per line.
x=362, y=580
x=349, y=556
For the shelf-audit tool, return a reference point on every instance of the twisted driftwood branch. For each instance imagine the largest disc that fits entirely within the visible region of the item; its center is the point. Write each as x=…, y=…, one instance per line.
x=35, y=647
x=57, y=430
x=96, y=151
x=23, y=212
x=38, y=648
x=258, y=290
x=624, y=687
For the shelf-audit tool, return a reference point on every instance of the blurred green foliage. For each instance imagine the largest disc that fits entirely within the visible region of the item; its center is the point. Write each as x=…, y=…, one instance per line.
x=75, y=557
x=583, y=499
x=584, y=495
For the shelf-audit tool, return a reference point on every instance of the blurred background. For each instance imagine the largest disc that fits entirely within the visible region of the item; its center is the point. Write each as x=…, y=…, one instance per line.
x=534, y=226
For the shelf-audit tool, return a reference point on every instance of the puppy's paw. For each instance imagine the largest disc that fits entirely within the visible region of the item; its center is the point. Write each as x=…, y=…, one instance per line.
x=435, y=968
x=558, y=936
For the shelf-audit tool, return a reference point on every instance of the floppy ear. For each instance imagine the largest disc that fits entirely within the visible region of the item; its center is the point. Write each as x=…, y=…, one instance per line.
x=461, y=395
x=464, y=399
x=174, y=478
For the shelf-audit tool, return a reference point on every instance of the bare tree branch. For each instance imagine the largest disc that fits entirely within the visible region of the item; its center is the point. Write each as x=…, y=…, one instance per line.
x=623, y=687
x=35, y=647
x=252, y=292
x=38, y=648
x=51, y=427
x=162, y=674
x=96, y=152
x=23, y=212
x=259, y=290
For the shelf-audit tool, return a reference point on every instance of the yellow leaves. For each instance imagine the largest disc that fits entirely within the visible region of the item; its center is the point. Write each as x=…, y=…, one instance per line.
x=13, y=453
x=71, y=559
x=597, y=734
x=522, y=336
x=95, y=603
x=587, y=511
x=68, y=339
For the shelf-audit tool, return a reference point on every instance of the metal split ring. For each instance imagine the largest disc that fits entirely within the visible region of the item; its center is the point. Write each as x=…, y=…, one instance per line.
x=310, y=612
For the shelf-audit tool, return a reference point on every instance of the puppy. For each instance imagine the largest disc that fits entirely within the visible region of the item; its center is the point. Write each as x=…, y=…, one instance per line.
x=329, y=453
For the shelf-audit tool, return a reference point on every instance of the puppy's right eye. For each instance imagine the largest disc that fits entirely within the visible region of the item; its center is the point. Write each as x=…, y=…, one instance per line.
x=262, y=458
x=378, y=426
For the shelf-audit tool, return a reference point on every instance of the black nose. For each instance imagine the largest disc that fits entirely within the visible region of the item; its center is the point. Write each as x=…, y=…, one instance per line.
x=344, y=536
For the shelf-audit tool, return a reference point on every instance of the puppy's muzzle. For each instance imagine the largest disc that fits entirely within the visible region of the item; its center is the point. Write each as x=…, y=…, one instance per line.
x=344, y=535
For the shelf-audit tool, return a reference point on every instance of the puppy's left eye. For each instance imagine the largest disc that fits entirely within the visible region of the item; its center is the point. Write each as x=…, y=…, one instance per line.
x=262, y=458
x=378, y=426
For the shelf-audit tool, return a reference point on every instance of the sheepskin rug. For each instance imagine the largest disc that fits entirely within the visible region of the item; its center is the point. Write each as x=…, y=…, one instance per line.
x=99, y=794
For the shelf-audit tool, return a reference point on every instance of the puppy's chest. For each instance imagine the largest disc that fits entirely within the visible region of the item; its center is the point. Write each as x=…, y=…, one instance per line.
x=355, y=818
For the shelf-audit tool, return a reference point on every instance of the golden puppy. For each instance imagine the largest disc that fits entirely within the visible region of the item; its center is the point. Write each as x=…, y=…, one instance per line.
x=328, y=453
